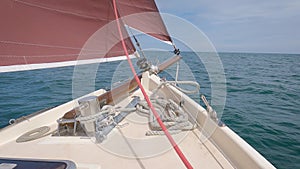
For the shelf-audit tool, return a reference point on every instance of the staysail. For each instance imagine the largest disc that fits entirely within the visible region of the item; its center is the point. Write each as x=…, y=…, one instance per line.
x=143, y=15
x=41, y=34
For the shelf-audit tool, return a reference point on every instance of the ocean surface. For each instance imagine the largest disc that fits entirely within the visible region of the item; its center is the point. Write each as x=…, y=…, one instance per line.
x=262, y=102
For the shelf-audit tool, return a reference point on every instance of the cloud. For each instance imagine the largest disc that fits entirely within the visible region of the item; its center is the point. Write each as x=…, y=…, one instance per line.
x=234, y=11
x=247, y=25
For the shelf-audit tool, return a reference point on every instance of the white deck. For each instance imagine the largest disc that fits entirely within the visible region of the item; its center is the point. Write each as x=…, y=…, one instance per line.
x=125, y=147
x=128, y=147
x=85, y=153
x=154, y=151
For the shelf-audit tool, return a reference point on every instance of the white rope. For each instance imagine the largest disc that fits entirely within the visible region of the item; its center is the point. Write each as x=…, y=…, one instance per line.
x=172, y=115
x=107, y=110
x=173, y=83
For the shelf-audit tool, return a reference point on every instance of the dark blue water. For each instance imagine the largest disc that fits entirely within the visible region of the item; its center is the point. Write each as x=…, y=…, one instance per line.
x=262, y=104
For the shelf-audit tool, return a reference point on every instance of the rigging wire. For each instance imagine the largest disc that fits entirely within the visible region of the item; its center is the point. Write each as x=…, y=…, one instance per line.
x=137, y=42
x=142, y=62
x=170, y=138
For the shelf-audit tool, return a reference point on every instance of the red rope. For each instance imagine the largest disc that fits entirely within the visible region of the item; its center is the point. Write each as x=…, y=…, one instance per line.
x=173, y=143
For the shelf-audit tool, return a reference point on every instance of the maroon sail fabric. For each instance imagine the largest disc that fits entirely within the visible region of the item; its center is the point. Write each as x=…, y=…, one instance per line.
x=46, y=31
x=58, y=31
x=143, y=15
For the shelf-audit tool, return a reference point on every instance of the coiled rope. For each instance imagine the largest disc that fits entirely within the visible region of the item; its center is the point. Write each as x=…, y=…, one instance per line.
x=172, y=115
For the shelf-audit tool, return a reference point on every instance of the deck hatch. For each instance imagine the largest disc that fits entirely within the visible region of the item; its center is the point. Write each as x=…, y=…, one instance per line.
x=36, y=163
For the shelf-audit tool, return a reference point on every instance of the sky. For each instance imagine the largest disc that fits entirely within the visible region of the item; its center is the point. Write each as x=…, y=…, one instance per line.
x=261, y=26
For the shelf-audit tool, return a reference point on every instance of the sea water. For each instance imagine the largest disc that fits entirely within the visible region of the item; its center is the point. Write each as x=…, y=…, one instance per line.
x=262, y=103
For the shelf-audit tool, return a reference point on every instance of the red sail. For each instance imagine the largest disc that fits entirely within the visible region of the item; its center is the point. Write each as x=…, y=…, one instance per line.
x=144, y=16
x=40, y=31
x=56, y=32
